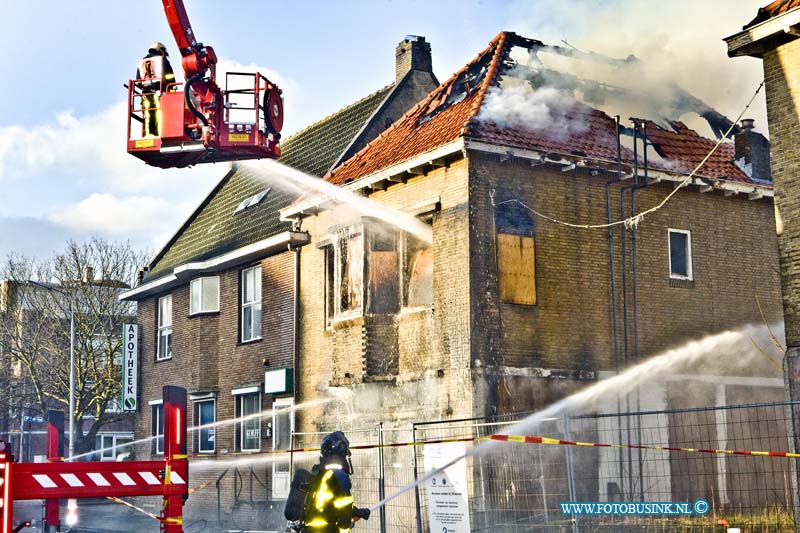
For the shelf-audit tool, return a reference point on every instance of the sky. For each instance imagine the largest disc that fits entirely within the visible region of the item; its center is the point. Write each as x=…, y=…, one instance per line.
x=64, y=171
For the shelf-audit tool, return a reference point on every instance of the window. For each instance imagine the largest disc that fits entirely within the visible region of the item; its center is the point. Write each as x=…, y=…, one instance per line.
x=204, y=295
x=251, y=304
x=164, y=349
x=251, y=201
x=516, y=259
x=417, y=272
x=205, y=417
x=375, y=270
x=282, y=428
x=157, y=428
x=349, y=273
x=109, y=447
x=330, y=261
x=680, y=254
x=248, y=410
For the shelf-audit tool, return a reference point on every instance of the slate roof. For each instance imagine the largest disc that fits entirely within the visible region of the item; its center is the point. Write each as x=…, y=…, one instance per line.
x=453, y=110
x=214, y=228
x=778, y=7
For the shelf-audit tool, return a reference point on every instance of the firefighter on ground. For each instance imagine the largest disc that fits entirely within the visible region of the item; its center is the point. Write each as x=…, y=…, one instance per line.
x=155, y=74
x=330, y=506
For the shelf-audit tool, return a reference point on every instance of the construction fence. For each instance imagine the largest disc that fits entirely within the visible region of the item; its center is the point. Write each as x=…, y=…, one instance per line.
x=519, y=486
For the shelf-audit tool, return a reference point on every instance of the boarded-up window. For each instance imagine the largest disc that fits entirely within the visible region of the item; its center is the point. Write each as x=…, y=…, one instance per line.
x=516, y=257
x=516, y=261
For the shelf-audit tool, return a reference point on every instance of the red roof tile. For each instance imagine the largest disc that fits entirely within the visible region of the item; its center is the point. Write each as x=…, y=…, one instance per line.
x=441, y=118
x=778, y=7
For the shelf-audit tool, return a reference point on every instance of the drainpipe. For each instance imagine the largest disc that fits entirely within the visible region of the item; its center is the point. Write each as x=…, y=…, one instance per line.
x=634, y=322
x=296, y=320
x=612, y=279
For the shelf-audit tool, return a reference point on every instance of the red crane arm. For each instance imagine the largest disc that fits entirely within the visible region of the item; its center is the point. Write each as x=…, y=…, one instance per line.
x=196, y=57
x=181, y=27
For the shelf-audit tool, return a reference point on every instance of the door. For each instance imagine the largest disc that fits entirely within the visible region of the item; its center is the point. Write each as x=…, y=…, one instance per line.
x=282, y=428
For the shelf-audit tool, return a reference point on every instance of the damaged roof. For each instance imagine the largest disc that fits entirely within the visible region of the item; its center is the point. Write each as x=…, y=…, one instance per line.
x=457, y=109
x=778, y=7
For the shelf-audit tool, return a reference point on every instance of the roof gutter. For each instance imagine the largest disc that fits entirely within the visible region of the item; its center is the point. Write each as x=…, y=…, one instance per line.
x=751, y=42
x=396, y=173
x=182, y=273
x=753, y=190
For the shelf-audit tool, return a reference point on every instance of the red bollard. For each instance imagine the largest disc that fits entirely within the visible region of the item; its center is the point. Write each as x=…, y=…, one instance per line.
x=174, y=451
x=7, y=501
x=55, y=454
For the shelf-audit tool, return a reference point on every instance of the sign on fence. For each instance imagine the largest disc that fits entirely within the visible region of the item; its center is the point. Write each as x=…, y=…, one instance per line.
x=447, y=491
x=130, y=366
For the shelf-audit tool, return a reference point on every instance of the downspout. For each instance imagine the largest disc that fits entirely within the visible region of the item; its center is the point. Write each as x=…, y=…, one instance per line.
x=612, y=279
x=296, y=321
x=634, y=319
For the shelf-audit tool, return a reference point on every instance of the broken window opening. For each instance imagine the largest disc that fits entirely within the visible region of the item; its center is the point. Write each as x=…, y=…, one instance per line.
x=384, y=282
x=417, y=272
x=516, y=259
x=349, y=272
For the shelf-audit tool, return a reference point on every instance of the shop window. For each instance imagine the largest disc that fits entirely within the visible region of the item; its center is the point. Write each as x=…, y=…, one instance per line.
x=516, y=257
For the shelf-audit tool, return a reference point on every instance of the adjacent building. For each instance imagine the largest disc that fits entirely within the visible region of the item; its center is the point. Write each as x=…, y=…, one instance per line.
x=217, y=304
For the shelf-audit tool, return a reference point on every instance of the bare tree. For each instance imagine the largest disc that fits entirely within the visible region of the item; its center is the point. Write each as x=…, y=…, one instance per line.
x=38, y=298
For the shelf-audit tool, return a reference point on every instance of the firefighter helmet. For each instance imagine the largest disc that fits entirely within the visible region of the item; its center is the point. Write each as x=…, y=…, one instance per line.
x=335, y=444
x=158, y=48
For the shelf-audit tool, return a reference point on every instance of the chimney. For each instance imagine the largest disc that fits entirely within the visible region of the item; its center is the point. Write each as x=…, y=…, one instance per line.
x=88, y=274
x=752, y=152
x=413, y=53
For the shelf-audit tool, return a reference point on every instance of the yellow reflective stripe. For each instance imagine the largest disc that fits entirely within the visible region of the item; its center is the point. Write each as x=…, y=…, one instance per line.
x=343, y=501
x=344, y=530
x=317, y=522
x=323, y=494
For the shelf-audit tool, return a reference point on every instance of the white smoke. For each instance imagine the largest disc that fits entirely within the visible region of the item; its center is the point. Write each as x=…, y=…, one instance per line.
x=518, y=105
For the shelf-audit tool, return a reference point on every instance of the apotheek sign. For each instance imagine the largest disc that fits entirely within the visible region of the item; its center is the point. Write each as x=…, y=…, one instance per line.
x=130, y=366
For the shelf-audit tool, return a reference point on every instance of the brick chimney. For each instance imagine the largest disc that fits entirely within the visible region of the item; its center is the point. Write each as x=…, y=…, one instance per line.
x=752, y=152
x=413, y=53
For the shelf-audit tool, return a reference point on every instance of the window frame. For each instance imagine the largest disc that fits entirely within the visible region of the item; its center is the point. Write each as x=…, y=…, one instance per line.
x=240, y=426
x=164, y=330
x=346, y=234
x=243, y=305
x=201, y=311
x=157, y=427
x=404, y=272
x=199, y=423
x=689, y=267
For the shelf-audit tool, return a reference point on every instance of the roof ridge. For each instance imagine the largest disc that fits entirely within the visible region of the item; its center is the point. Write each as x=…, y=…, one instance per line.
x=341, y=110
x=488, y=80
x=426, y=101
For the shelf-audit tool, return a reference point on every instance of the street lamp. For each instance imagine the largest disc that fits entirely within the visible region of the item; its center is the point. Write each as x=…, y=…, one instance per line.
x=71, y=360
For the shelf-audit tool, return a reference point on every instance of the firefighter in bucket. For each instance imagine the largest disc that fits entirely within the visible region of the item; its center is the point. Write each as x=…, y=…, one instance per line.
x=154, y=74
x=320, y=501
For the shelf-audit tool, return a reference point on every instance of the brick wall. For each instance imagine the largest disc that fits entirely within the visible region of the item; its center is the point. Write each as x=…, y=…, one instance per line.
x=207, y=357
x=734, y=256
x=428, y=347
x=782, y=84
